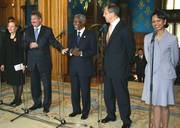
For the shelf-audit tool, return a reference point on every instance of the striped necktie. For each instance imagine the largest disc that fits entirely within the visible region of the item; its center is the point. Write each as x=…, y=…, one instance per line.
x=36, y=33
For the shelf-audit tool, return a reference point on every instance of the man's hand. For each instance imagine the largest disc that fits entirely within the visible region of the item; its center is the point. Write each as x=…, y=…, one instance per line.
x=75, y=51
x=2, y=68
x=33, y=45
x=64, y=51
x=23, y=68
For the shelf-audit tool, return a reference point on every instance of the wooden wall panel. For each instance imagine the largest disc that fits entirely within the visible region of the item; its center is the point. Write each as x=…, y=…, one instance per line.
x=54, y=13
x=11, y=8
x=139, y=39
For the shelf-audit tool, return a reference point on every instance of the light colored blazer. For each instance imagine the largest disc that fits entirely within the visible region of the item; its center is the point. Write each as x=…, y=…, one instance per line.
x=166, y=55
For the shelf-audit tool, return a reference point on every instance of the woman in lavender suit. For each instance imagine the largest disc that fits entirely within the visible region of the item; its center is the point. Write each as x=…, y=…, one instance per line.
x=166, y=56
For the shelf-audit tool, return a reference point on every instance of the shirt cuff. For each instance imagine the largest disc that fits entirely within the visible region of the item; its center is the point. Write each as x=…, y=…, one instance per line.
x=81, y=54
x=70, y=54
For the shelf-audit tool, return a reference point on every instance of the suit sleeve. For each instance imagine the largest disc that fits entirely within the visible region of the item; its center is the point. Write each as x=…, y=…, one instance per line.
x=70, y=44
x=0, y=48
x=3, y=49
x=175, y=52
x=130, y=44
x=56, y=44
x=146, y=49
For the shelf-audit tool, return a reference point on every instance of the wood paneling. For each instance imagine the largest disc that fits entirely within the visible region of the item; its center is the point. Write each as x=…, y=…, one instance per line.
x=139, y=39
x=11, y=8
x=54, y=13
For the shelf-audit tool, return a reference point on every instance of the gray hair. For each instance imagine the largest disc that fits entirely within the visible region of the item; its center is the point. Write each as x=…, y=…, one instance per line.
x=81, y=17
x=113, y=8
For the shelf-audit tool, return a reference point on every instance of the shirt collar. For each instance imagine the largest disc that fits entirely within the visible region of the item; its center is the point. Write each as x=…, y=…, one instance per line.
x=115, y=22
x=39, y=27
x=81, y=31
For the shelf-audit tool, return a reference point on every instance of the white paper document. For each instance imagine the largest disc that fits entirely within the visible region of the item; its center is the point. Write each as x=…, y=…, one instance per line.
x=18, y=67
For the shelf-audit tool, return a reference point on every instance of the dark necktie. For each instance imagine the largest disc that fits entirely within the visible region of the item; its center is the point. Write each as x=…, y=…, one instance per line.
x=36, y=33
x=78, y=37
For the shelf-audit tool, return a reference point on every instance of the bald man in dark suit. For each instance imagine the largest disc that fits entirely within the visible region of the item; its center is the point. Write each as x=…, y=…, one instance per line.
x=82, y=45
x=38, y=39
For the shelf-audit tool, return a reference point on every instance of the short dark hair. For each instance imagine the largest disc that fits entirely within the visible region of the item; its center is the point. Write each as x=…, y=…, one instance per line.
x=161, y=14
x=140, y=49
x=113, y=8
x=11, y=18
x=82, y=17
x=36, y=13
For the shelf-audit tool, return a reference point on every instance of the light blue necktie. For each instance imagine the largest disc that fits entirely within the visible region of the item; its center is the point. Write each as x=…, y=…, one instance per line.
x=78, y=38
x=36, y=33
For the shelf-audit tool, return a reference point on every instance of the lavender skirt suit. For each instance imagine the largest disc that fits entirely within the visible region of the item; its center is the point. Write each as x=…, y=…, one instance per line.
x=166, y=57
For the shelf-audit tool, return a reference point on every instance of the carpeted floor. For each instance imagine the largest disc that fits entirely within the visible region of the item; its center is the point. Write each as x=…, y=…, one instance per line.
x=37, y=119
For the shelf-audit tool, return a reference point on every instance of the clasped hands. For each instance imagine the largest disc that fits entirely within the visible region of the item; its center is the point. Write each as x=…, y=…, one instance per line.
x=73, y=51
x=33, y=45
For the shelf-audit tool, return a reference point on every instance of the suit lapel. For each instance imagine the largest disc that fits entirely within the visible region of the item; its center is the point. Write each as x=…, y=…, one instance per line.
x=74, y=39
x=116, y=29
x=41, y=33
x=84, y=35
x=82, y=41
x=32, y=34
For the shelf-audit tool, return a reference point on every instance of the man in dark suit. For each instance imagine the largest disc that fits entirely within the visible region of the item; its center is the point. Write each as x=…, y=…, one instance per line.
x=38, y=39
x=82, y=48
x=140, y=62
x=119, y=54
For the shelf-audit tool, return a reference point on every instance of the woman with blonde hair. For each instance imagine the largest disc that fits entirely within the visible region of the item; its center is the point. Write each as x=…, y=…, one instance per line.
x=12, y=61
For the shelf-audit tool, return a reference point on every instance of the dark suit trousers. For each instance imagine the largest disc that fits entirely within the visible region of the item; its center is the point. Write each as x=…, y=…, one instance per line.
x=80, y=83
x=116, y=89
x=36, y=77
